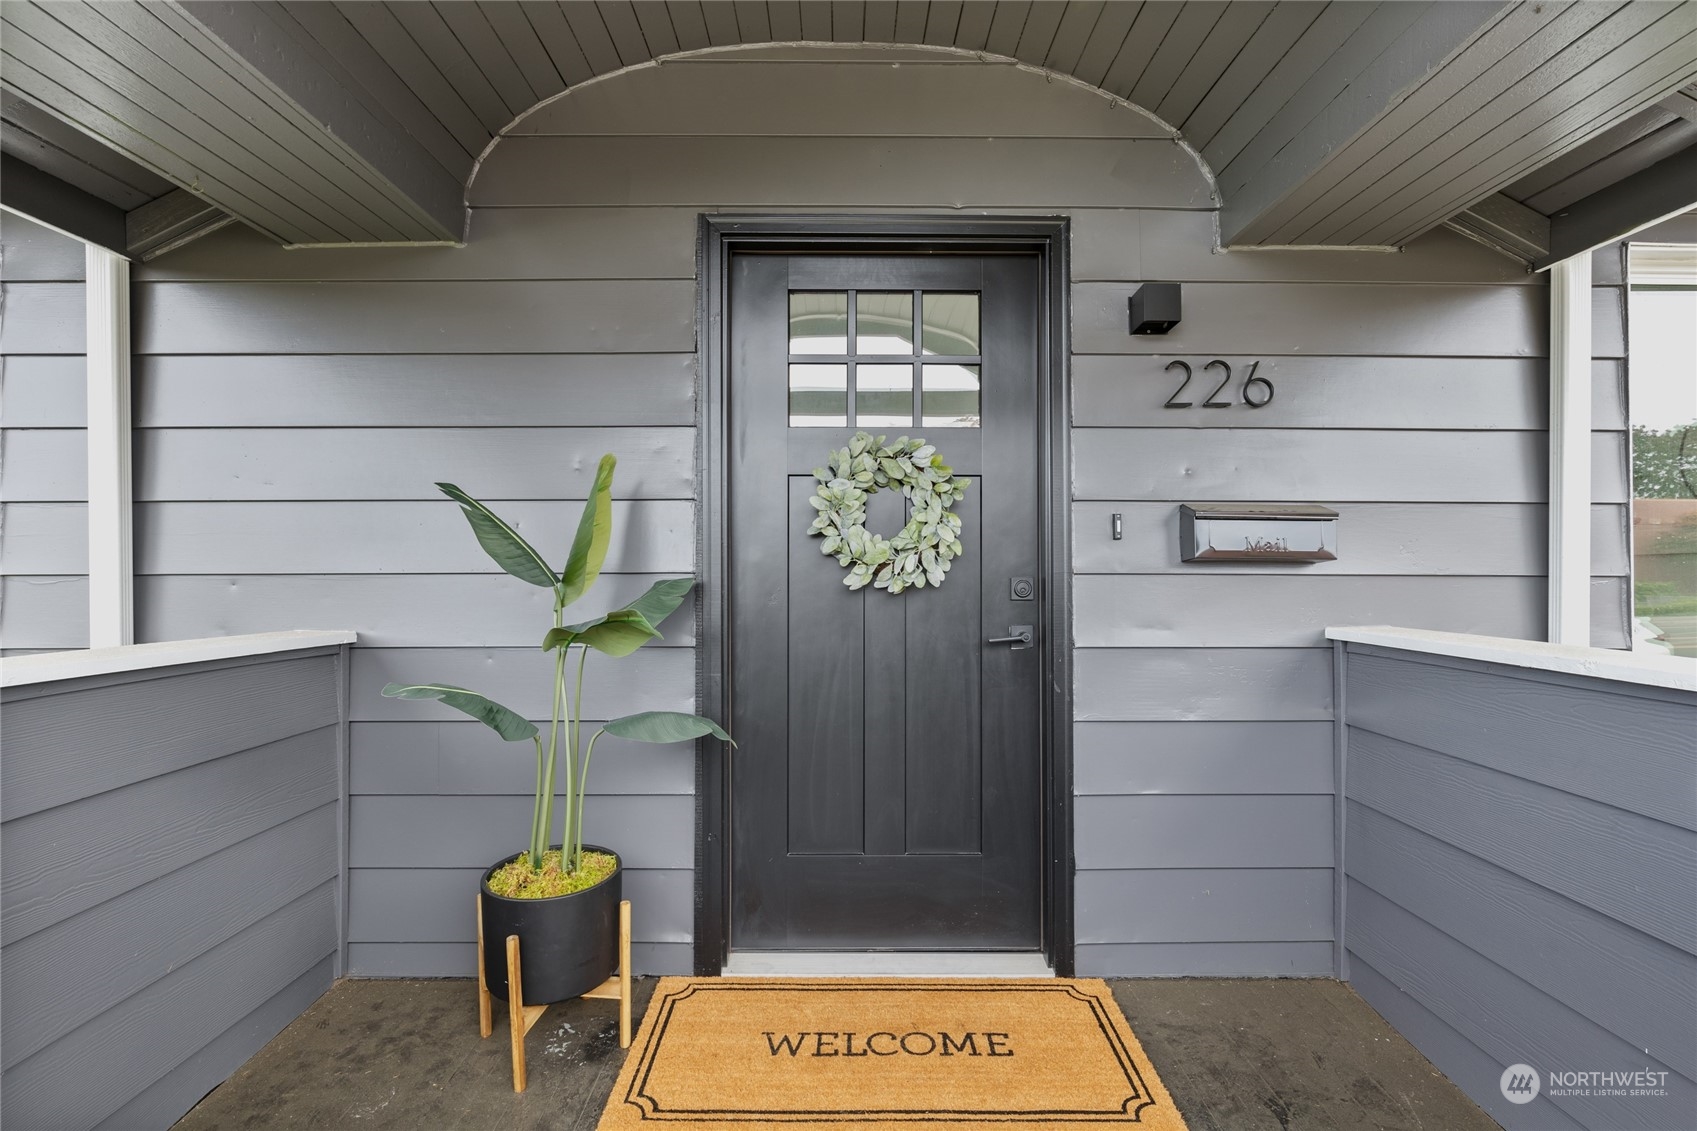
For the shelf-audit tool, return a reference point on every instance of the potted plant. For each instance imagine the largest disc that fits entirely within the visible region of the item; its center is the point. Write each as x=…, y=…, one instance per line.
x=561, y=899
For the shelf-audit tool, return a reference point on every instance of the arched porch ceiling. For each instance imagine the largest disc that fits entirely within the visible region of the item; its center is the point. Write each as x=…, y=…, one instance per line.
x=1331, y=124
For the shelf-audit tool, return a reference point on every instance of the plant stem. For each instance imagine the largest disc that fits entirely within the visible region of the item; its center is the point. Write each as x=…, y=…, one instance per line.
x=545, y=794
x=584, y=789
x=536, y=804
x=573, y=831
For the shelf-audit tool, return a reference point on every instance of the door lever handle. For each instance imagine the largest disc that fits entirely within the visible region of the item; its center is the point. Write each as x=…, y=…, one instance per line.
x=1020, y=636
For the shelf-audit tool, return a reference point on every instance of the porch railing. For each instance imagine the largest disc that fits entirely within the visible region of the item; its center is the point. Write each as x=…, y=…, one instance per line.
x=171, y=871
x=1519, y=867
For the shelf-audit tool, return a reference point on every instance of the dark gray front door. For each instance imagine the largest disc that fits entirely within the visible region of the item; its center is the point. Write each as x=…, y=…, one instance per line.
x=887, y=785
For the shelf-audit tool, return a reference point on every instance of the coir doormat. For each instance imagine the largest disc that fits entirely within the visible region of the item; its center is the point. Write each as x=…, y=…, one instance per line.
x=885, y=1053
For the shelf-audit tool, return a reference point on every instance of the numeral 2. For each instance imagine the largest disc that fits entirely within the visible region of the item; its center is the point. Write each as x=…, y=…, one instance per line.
x=1173, y=401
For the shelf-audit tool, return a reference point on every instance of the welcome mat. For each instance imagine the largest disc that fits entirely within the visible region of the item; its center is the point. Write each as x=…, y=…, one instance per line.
x=885, y=1053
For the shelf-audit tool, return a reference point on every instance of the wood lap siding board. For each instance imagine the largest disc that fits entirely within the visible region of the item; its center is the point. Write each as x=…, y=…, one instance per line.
x=165, y=792
x=43, y=469
x=294, y=407
x=1489, y=824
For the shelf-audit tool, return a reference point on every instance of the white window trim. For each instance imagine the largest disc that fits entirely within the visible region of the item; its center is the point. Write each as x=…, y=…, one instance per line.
x=1570, y=452
x=111, y=573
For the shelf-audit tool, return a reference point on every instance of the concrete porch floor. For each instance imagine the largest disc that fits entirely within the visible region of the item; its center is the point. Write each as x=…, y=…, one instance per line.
x=1237, y=1055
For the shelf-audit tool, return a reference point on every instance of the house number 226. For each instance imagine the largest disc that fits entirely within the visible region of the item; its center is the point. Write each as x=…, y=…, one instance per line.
x=1259, y=399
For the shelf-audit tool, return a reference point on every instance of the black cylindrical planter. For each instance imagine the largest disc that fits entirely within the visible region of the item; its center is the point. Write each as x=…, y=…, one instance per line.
x=568, y=944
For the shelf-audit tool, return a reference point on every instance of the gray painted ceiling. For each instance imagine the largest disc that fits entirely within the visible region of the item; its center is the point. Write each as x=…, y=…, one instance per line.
x=1348, y=123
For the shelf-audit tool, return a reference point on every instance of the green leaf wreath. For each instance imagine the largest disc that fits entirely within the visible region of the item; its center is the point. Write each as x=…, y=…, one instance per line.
x=922, y=552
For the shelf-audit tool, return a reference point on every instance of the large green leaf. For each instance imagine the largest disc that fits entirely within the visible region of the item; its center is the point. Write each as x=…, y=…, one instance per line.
x=662, y=599
x=500, y=541
x=504, y=722
x=594, y=532
x=664, y=726
x=619, y=633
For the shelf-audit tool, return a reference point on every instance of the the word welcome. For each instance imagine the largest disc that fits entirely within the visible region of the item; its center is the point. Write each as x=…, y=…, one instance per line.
x=889, y=1044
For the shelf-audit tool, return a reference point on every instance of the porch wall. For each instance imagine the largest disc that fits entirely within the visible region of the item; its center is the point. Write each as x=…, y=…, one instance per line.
x=43, y=460
x=294, y=408
x=172, y=842
x=1521, y=850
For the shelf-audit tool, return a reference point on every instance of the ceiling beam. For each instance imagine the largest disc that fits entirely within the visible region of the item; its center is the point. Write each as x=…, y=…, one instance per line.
x=219, y=99
x=47, y=200
x=1649, y=196
x=1504, y=224
x=177, y=218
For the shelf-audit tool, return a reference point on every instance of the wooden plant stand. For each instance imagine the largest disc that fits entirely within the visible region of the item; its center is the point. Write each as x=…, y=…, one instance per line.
x=522, y=1018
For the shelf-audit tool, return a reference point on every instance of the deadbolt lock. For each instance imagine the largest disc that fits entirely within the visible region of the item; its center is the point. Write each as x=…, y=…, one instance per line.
x=1023, y=589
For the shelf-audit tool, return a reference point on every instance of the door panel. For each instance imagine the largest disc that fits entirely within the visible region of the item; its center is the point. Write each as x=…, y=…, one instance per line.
x=886, y=791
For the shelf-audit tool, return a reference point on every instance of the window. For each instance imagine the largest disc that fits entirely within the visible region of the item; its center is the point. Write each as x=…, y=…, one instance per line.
x=1662, y=413
x=854, y=356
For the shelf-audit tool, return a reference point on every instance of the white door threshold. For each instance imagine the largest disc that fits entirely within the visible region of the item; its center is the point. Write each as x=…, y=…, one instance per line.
x=886, y=964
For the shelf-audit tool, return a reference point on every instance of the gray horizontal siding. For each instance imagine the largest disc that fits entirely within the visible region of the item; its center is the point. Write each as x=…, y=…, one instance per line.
x=1115, y=245
x=44, y=614
x=1204, y=905
x=1177, y=684
x=1483, y=394
x=384, y=536
x=416, y=390
x=205, y=464
x=387, y=610
x=399, y=831
x=654, y=679
x=462, y=757
x=197, y=811
x=835, y=172
x=1484, y=540
x=1323, y=319
x=43, y=388
x=1205, y=960
x=1520, y=850
x=1202, y=757
x=1284, y=611
x=1204, y=832
x=1338, y=465
x=472, y=317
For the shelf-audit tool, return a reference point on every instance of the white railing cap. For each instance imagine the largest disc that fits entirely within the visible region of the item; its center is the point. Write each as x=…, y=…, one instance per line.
x=1652, y=670
x=17, y=671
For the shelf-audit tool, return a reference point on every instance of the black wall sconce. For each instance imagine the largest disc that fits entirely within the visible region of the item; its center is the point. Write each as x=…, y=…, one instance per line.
x=1154, y=308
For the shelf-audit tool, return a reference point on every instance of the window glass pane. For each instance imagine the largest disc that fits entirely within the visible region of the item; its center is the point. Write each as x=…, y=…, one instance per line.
x=818, y=396
x=883, y=396
x=950, y=325
x=949, y=398
x=818, y=322
x=1662, y=395
x=883, y=323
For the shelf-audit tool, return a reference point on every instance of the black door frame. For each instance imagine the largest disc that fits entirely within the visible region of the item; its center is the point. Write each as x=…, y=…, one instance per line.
x=720, y=236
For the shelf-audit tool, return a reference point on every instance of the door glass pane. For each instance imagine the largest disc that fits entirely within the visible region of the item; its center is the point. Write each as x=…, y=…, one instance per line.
x=949, y=398
x=818, y=322
x=818, y=396
x=950, y=325
x=883, y=396
x=883, y=322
